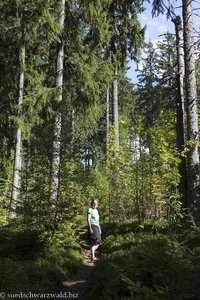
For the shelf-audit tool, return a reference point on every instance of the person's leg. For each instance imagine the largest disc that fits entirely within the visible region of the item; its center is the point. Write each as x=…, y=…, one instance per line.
x=93, y=248
x=96, y=246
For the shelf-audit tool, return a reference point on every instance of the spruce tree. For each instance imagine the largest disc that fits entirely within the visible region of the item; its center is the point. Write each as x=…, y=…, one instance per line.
x=193, y=178
x=127, y=36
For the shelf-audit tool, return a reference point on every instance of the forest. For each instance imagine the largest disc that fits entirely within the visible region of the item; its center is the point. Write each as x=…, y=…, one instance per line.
x=74, y=127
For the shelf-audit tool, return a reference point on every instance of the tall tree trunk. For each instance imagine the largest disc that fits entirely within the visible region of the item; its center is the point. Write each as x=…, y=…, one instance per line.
x=180, y=108
x=28, y=167
x=191, y=109
x=27, y=160
x=73, y=127
x=55, y=166
x=115, y=112
x=17, y=161
x=107, y=119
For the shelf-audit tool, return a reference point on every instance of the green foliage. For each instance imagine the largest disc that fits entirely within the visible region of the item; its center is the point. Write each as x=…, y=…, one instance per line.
x=143, y=257
x=121, y=184
x=119, y=172
x=147, y=265
x=34, y=261
x=3, y=217
x=127, y=34
x=156, y=131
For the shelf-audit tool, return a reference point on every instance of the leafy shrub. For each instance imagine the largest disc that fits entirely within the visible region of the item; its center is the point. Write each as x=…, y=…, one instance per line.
x=34, y=261
x=3, y=217
x=148, y=265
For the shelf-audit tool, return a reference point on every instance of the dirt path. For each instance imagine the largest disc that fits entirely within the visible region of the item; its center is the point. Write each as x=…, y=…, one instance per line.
x=77, y=286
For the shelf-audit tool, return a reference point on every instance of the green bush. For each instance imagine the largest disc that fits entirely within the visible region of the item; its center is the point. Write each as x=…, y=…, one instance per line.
x=148, y=265
x=34, y=261
x=3, y=217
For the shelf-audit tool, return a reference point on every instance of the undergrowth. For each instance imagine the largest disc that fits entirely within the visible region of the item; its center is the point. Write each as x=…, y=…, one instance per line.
x=148, y=262
x=34, y=261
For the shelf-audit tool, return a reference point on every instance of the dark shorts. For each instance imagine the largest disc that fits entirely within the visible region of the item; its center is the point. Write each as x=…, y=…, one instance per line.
x=96, y=236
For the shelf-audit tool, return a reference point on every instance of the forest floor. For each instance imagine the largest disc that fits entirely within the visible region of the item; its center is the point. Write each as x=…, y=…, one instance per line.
x=78, y=284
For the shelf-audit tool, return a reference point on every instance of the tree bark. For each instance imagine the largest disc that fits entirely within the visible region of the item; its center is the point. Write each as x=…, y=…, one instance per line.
x=28, y=167
x=180, y=135
x=73, y=126
x=193, y=196
x=55, y=166
x=17, y=160
x=107, y=119
x=115, y=112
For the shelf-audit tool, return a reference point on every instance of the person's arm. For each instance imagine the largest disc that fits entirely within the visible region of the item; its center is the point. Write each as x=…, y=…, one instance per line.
x=89, y=222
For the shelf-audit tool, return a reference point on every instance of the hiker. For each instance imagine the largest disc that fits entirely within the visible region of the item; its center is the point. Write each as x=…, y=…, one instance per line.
x=94, y=229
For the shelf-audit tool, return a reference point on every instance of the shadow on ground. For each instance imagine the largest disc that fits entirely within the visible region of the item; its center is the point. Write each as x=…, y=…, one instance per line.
x=78, y=285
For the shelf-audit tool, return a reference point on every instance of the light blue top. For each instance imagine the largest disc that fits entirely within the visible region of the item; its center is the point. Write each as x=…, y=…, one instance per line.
x=94, y=216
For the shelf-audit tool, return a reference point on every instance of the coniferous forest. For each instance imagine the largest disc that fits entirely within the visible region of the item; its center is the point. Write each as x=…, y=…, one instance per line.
x=74, y=127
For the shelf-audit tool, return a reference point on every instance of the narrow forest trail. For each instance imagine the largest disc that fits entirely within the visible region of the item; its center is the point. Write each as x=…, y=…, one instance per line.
x=77, y=286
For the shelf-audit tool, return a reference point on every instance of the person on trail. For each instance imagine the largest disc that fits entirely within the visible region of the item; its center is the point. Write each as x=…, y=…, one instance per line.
x=94, y=229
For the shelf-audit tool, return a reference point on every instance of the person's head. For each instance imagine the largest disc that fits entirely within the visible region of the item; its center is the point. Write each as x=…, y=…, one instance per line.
x=94, y=203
